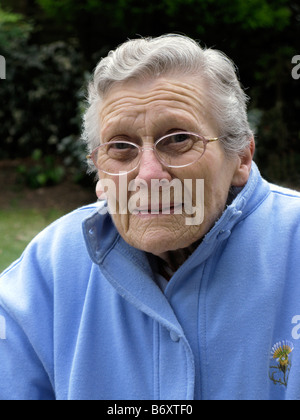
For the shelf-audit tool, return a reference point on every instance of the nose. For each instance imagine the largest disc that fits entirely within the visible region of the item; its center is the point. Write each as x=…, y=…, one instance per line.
x=151, y=168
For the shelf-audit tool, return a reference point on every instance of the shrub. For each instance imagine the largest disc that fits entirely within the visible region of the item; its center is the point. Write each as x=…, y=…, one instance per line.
x=40, y=97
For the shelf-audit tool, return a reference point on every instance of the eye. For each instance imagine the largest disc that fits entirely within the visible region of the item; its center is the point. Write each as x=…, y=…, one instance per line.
x=121, y=150
x=176, y=143
x=120, y=146
x=179, y=138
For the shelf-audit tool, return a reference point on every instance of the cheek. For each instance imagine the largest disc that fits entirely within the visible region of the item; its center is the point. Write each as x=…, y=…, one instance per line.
x=214, y=188
x=118, y=196
x=217, y=185
x=216, y=175
x=114, y=189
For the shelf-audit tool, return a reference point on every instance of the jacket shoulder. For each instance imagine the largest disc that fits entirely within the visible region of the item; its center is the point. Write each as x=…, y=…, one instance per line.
x=284, y=192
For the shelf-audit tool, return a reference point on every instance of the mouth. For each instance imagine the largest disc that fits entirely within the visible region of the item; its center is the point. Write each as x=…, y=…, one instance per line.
x=173, y=208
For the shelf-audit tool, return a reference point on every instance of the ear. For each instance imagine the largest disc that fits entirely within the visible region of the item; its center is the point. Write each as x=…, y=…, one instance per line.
x=243, y=168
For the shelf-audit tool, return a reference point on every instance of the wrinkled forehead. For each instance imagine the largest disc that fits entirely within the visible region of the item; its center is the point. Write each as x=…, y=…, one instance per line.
x=162, y=97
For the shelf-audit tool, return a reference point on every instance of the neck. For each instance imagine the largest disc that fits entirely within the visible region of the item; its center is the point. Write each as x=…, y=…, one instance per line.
x=174, y=259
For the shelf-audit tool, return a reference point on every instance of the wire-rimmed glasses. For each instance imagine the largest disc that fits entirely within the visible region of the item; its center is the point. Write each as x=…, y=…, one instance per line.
x=174, y=150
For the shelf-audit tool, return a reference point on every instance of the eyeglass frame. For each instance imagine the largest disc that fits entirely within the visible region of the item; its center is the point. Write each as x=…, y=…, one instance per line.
x=152, y=148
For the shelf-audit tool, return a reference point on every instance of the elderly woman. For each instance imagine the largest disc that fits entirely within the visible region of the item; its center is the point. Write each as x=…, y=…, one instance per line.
x=184, y=284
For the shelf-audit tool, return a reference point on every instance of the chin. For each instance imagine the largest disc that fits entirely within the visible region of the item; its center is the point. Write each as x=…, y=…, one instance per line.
x=161, y=242
x=156, y=235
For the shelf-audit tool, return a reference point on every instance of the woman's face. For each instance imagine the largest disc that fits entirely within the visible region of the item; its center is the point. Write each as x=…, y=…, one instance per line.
x=142, y=112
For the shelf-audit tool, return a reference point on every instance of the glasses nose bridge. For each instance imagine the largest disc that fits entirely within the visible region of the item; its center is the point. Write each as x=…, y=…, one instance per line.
x=150, y=149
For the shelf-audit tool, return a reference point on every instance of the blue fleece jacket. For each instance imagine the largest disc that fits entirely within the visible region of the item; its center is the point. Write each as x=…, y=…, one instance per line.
x=83, y=318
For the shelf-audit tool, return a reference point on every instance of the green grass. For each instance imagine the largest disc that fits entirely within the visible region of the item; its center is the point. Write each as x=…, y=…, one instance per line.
x=18, y=227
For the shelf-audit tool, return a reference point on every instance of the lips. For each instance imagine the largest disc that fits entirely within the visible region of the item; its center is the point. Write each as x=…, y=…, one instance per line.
x=158, y=209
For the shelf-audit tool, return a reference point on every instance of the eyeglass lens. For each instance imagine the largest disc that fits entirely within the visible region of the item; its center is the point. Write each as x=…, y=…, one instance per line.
x=174, y=150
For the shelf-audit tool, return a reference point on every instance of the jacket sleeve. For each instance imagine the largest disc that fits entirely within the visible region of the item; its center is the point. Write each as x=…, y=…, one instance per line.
x=26, y=326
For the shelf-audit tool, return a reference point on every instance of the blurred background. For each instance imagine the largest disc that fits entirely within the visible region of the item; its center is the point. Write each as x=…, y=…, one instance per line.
x=51, y=48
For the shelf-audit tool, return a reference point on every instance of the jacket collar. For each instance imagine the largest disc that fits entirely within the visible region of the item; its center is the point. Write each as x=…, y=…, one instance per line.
x=252, y=195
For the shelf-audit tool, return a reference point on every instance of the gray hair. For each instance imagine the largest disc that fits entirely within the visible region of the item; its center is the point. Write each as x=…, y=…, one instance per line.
x=148, y=58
